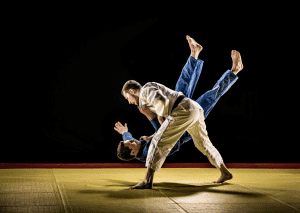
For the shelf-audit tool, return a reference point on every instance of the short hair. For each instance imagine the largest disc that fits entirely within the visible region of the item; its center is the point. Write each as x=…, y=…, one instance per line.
x=131, y=84
x=123, y=152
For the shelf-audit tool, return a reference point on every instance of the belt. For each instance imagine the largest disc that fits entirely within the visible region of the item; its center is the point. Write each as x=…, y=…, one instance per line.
x=177, y=101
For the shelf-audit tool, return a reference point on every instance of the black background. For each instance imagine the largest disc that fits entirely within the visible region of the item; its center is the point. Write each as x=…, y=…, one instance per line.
x=67, y=65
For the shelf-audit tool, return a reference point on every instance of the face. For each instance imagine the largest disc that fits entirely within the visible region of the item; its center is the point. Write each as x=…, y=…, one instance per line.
x=132, y=98
x=134, y=145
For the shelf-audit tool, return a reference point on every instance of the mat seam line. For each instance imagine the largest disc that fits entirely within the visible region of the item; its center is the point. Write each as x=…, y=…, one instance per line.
x=173, y=201
x=60, y=193
x=268, y=196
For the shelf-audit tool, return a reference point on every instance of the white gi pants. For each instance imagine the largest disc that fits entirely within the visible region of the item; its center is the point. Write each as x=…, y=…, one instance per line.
x=187, y=116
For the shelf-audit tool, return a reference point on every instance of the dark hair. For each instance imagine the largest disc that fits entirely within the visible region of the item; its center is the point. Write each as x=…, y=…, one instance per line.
x=123, y=152
x=131, y=84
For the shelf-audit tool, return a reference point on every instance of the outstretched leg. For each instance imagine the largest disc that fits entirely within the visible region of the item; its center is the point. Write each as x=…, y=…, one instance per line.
x=191, y=71
x=208, y=100
x=203, y=144
x=147, y=183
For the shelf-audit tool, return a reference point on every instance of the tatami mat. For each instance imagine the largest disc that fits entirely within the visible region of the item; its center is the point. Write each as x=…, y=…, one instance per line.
x=175, y=190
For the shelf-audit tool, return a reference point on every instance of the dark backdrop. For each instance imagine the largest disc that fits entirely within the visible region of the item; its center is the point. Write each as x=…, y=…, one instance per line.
x=67, y=67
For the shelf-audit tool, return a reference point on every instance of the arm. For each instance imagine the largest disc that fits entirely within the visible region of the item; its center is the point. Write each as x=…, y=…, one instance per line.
x=147, y=112
x=156, y=121
x=123, y=130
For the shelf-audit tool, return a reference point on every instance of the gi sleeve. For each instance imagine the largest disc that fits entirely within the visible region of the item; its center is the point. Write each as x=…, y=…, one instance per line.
x=127, y=136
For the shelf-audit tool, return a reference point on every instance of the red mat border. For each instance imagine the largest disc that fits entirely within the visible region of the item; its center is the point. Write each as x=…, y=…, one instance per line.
x=140, y=165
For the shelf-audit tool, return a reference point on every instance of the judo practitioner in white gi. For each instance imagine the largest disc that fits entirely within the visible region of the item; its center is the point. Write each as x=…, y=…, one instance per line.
x=181, y=114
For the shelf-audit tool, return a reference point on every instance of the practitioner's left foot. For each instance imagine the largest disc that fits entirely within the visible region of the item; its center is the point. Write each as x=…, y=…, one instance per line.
x=142, y=185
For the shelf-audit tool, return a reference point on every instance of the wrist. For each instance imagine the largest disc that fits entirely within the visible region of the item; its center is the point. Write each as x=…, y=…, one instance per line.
x=150, y=117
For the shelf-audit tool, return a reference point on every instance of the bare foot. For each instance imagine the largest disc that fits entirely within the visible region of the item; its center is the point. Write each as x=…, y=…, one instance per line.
x=224, y=177
x=142, y=185
x=194, y=46
x=237, y=64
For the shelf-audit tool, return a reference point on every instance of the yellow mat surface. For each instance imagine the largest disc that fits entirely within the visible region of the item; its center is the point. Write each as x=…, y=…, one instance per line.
x=175, y=190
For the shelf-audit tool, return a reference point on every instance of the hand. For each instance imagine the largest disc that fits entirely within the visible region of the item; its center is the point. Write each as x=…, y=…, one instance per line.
x=147, y=112
x=120, y=128
x=160, y=119
x=145, y=138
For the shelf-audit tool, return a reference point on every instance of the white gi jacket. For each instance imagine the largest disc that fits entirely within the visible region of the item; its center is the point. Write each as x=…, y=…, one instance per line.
x=158, y=98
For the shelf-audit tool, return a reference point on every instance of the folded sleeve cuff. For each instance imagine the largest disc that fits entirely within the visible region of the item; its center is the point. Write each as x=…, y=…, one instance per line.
x=127, y=136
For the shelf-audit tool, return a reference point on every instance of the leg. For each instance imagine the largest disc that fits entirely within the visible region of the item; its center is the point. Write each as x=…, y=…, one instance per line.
x=204, y=145
x=209, y=99
x=162, y=143
x=147, y=183
x=191, y=70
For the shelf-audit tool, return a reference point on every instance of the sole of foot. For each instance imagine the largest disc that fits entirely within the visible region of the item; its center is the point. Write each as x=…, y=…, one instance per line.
x=237, y=64
x=194, y=46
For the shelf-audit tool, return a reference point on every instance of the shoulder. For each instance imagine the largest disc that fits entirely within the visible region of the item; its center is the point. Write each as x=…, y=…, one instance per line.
x=149, y=87
x=154, y=85
x=150, y=84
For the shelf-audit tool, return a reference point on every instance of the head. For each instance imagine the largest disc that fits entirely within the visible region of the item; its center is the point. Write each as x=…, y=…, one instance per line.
x=131, y=91
x=128, y=150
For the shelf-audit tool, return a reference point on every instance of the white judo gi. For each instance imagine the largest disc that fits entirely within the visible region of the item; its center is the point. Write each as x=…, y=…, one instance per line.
x=187, y=116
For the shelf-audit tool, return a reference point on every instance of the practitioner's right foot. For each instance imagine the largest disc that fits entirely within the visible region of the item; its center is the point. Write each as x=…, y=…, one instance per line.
x=237, y=64
x=194, y=46
x=142, y=185
x=224, y=177
x=225, y=174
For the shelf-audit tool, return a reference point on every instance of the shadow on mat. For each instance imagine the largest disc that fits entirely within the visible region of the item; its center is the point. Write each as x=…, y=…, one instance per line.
x=164, y=189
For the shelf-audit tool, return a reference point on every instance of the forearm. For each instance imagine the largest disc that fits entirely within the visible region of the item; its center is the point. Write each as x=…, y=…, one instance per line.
x=155, y=123
x=150, y=116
